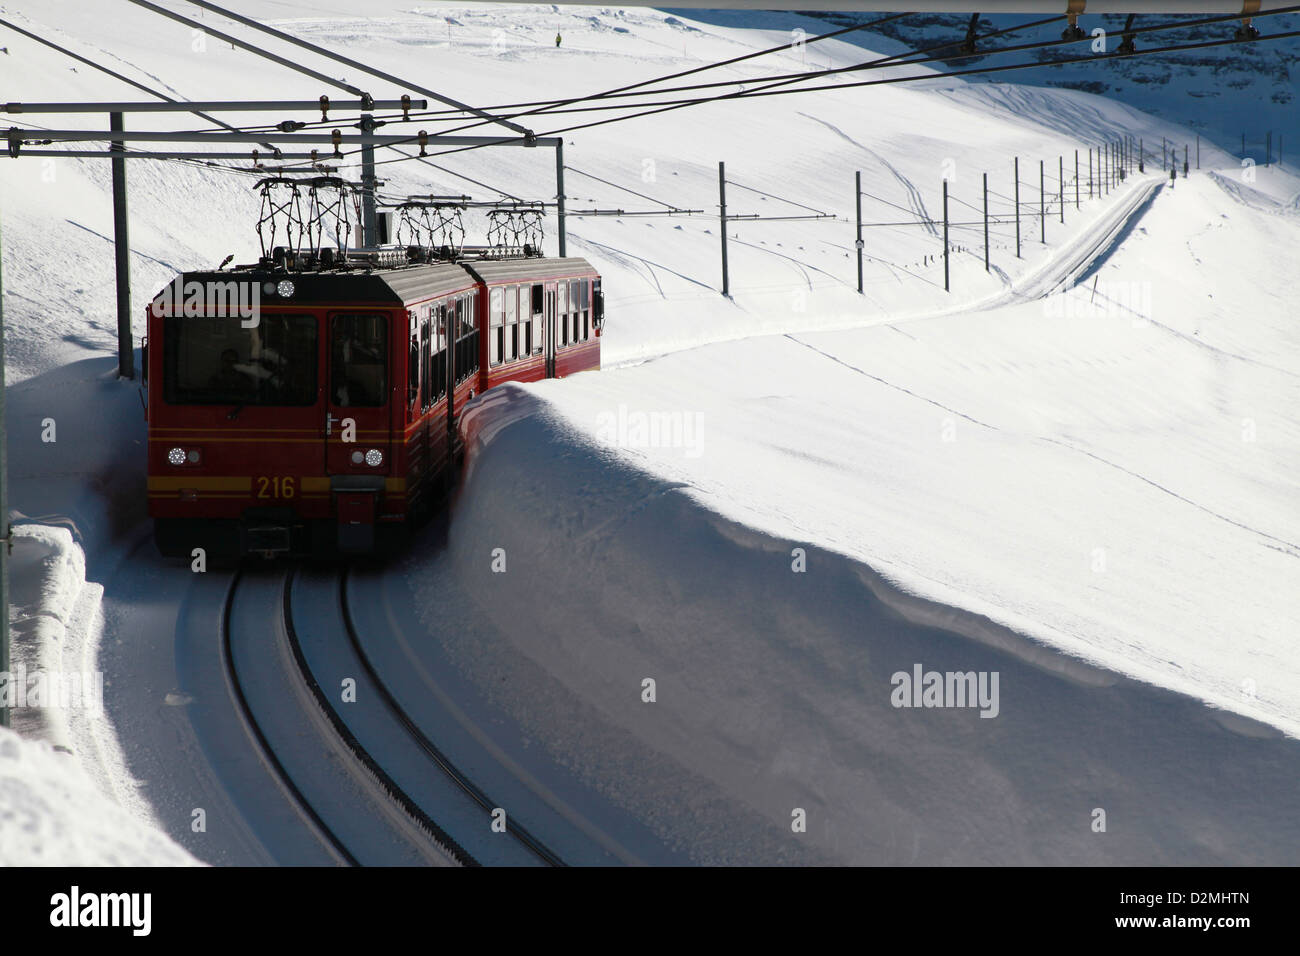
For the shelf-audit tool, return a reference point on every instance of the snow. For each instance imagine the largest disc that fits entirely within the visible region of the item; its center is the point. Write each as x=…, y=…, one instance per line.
x=1091, y=494
x=53, y=814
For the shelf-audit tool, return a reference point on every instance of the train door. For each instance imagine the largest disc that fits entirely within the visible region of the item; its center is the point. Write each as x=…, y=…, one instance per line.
x=357, y=448
x=550, y=330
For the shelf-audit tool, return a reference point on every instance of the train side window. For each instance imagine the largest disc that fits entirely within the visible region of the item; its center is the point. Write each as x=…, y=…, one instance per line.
x=413, y=363
x=439, y=374
x=471, y=334
x=359, y=366
x=562, y=300
x=537, y=300
x=496, y=330
x=464, y=361
x=512, y=323
x=586, y=310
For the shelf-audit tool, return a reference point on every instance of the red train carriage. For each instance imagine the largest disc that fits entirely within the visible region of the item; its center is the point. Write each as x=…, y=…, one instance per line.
x=316, y=412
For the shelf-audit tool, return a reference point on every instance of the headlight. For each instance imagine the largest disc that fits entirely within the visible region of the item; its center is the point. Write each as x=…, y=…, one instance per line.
x=374, y=458
x=285, y=288
x=176, y=456
x=192, y=456
x=358, y=457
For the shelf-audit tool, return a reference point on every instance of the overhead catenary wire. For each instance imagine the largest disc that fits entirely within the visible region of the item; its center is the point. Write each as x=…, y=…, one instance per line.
x=116, y=75
x=580, y=172
x=673, y=105
x=348, y=61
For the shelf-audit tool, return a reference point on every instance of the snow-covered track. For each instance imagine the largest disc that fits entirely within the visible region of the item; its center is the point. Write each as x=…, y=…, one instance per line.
x=1073, y=260
x=340, y=794
x=323, y=831
x=390, y=786
x=376, y=723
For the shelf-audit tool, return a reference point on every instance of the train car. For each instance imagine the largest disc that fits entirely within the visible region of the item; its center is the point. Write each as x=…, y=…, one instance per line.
x=542, y=318
x=315, y=412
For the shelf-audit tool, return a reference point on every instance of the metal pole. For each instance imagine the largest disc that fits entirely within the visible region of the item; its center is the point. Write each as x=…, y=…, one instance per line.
x=857, y=244
x=945, y=235
x=1017, y=207
x=1089, y=172
x=1076, y=179
x=369, y=223
x=1060, y=178
x=122, y=249
x=4, y=519
x=559, y=196
x=1268, y=148
x=722, y=222
x=216, y=106
x=318, y=137
x=1042, y=204
x=247, y=157
x=986, y=222
x=1142, y=156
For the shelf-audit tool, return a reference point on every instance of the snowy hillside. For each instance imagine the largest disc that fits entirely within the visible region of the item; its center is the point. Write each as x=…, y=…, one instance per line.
x=1089, y=492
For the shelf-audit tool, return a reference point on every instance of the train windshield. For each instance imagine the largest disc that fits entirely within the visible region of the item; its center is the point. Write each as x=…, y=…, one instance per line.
x=359, y=364
x=216, y=361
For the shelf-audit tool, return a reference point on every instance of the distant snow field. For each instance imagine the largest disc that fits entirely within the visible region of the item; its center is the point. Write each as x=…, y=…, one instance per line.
x=735, y=555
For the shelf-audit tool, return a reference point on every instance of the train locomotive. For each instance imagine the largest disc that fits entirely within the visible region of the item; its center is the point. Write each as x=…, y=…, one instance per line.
x=312, y=408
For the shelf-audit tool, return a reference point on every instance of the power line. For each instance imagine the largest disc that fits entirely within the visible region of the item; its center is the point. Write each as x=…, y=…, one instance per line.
x=914, y=78
x=113, y=73
x=356, y=65
x=661, y=107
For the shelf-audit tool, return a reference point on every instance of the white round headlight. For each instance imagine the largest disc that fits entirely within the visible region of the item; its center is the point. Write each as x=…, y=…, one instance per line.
x=284, y=289
x=176, y=456
x=358, y=457
x=374, y=458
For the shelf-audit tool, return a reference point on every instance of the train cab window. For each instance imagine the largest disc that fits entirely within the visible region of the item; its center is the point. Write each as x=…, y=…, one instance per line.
x=216, y=361
x=358, y=360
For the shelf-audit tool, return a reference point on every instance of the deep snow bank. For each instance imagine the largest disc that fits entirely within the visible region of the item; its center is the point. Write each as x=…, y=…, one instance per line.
x=775, y=688
x=52, y=814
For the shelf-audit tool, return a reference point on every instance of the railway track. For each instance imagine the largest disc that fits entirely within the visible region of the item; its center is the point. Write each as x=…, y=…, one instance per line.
x=520, y=833
x=402, y=800
x=348, y=802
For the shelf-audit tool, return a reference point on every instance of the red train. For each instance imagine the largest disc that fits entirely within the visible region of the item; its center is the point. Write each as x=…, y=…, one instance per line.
x=315, y=411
